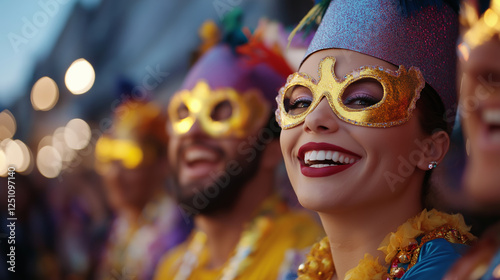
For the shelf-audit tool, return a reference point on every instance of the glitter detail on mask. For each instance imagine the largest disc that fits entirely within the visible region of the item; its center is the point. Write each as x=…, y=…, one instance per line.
x=401, y=92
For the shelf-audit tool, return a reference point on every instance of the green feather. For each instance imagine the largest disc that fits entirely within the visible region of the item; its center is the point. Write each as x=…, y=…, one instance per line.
x=311, y=20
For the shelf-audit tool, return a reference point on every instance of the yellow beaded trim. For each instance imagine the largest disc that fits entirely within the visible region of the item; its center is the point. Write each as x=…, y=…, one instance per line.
x=400, y=245
x=318, y=263
x=411, y=253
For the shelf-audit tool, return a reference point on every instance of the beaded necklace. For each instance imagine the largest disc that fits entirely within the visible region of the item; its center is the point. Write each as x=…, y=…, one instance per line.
x=247, y=244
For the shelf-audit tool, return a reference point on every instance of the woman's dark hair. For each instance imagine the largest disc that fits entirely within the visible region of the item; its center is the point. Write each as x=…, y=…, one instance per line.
x=431, y=111
x=431, y=116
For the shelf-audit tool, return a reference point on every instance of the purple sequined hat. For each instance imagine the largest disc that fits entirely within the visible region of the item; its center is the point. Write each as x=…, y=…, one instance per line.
x=221, y=67
x=425, y=38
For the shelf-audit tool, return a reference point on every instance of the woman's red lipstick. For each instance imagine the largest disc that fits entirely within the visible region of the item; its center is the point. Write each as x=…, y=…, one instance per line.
x=327, y=170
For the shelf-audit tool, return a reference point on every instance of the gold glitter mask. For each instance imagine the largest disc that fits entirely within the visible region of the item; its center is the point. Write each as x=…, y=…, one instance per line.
x=127, y=152
x=301, y=94
x=220, y=113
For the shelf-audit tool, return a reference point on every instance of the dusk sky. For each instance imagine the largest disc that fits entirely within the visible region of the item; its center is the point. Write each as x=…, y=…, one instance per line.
x=28, y=30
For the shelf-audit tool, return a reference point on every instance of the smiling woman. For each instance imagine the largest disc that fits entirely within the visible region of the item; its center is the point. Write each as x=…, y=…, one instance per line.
x=363, y=128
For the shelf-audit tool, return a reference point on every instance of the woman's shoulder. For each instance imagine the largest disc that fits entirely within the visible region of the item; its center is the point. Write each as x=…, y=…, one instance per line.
x=435, y=257
x=441, y=240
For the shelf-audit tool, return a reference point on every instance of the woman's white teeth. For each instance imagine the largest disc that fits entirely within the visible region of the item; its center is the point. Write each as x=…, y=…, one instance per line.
x=313, y=155
x=335, y=157
x=328, y=155
x=321, y=155
x=320, y=165
x=491, y=116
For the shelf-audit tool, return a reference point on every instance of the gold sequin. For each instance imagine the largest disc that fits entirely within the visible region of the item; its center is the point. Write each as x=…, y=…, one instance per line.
x=404, y=257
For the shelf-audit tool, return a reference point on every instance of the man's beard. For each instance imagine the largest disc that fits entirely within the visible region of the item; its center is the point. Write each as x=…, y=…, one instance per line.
x=222, y=194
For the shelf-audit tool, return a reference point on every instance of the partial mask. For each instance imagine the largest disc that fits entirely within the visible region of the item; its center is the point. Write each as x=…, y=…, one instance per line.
x=222, y=112
x=108, y=150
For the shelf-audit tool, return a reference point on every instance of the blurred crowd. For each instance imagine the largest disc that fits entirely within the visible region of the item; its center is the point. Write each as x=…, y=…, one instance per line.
x=182, y=175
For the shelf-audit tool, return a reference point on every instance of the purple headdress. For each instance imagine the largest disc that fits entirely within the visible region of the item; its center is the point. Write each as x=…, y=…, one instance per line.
x=410, y=33
x=240, y=71
x=240, y=61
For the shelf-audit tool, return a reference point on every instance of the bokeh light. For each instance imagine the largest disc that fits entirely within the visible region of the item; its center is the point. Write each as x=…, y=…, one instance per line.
x=49, y=162
x=44, y=94
x=7, y=124
x=25, y=156
x=45, y=141
x=3, y=163
x=16, y=154
x=77, y=134
x=59, y=143
x=80, y=76
x=490, y=18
